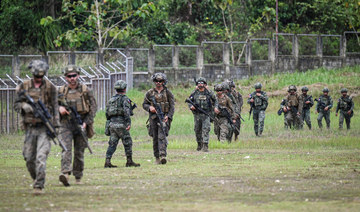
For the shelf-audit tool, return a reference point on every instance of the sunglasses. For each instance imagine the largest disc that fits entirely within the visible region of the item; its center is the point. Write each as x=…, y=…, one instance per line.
x=39, y=76
x=218, y=90
x=201, y=82
x=71, y=75
x=158, y=81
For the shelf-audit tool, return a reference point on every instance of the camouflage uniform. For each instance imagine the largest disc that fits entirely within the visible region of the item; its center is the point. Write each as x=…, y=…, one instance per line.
x=239, y=104
x=294, y=104
x=345, y=104
x=305, y=116
x=259, y=106
x=205, y=100
x=324, y=101
x=222, y=127
x=37, y=142
x=118, y=112
x=83, y=100
x=165, y=100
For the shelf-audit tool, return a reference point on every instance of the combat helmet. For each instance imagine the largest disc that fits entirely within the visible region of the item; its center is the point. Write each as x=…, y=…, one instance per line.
x=225, y=86
x=159, y=76
x=292, y=87
x=325, y=90
x=120, y=84
x=304, y=88
x=343, y=90
x=70, y=69
x=218, y=87
x=201, y=79
x=38, y=67
x=231, y=83
x=258, y=85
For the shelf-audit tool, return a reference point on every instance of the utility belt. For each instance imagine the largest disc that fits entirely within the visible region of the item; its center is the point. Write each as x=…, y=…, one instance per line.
x=35, y=125
x=116, y=118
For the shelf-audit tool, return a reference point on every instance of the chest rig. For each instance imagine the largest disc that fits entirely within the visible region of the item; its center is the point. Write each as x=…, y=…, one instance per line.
x=115, y=106
x=202, y=99
x=293, y=100
x=42, y=93
x=345, y=103
x=161, y=100
x=77, y=98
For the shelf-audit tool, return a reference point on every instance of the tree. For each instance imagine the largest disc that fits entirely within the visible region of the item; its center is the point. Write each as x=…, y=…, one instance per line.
x=101, y=21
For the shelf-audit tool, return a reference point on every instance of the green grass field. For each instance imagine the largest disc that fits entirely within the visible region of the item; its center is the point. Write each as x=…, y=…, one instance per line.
x=284, y=170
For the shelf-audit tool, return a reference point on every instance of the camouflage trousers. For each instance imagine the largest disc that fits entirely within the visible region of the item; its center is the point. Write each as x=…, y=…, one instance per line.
x=286, y=126
x=160, y=141
x=259, y=118
x=238, y=126
x=347, y=117
x=68, y=134
x=202, y=127
x=325, y=115
x=293, y=120
x=118, y=131
x=36, y=150
x=223, y=129
x=305, y=116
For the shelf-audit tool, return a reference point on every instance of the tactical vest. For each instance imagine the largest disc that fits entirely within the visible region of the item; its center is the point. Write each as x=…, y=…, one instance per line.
x=203, y=100
x=161, y=100
x=78, y=98
x=43, y=93
x=293, y=100
x=115, y=106
x=257, y=101
x=345, y=103
x=325, y=100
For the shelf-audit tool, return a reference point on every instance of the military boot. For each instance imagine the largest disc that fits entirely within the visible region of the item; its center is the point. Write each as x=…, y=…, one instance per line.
x=157, y=161
x=199, y=146
x=205, y=147
x=38, y=191
x=130, y=162
x=163, y=160
x=236, y=137
x=108, y=164
x=64, y=178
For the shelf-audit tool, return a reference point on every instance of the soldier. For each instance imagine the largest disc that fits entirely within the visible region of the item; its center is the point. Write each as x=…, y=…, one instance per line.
x=205, y=100
x=282, y=106
x=118, y=112
x=258, y=101
x=294, y=104
x=346, y=106
x=75, y=97
x=224, y=115
x=159, y=129
x=37, y=141
x=323, y=106
x=239, y=103
x=234, y=103
x=308, y=103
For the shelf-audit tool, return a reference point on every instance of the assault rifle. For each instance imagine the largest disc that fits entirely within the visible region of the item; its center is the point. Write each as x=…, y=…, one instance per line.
x=41, y=112
x=251, y=107
x=132, y=107
x=228, y=117
x=322, y=104
x=306, y=107
x=160, y=115
x=280, y=111
x=75, y=116
x=198, y=108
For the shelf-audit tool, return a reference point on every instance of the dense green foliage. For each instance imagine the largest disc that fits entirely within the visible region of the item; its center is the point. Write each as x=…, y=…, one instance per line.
x=39, y=25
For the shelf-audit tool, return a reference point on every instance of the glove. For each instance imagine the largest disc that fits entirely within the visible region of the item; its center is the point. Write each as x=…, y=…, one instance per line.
x=27, y=108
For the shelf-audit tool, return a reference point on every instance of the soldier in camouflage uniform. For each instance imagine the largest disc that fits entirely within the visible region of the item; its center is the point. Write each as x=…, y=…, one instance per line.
x=308, y=103
x=80, y=97
x=227, y=92
x=294, y=106
x=204, y=99
x=282, y=105
x=258, y=101
x=118, y=112
x=346, y=106
x=239, y=103
x=222, y=126
x=37, y=142
x=165, y=100
x=323, y=107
